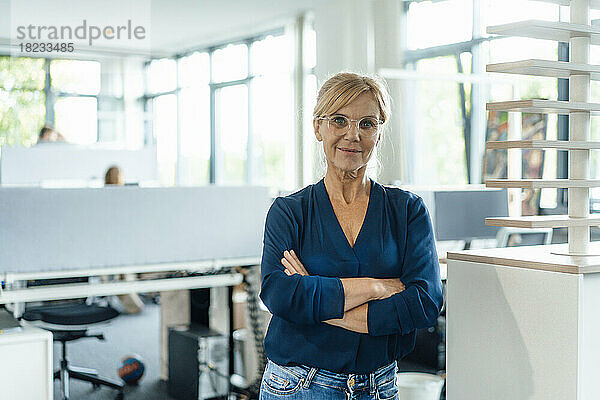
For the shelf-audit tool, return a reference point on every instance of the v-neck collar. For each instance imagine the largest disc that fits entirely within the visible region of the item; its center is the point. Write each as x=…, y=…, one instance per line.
x=332, y=219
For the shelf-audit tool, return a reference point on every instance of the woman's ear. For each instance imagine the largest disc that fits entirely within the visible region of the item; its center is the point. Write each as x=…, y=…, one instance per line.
x=317, y=126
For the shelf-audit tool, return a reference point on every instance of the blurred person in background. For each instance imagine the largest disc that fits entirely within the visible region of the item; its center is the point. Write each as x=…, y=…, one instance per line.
x=50, y=135
x=114, y=176
x=132, y=303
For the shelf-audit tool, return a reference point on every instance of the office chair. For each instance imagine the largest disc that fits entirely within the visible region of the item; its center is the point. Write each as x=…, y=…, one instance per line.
x=71, y=322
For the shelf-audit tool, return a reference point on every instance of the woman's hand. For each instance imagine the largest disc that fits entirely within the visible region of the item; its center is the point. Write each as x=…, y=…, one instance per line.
x=384, y=288
x=362, y=290
x=292, y=263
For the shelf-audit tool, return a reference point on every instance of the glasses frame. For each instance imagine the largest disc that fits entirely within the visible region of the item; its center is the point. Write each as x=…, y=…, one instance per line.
x=360, y=133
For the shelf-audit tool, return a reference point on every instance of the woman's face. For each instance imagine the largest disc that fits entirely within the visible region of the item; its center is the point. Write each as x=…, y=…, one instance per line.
x=349, y=152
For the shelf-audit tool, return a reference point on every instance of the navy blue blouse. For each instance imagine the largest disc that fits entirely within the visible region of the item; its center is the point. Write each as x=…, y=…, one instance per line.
x=396, y=241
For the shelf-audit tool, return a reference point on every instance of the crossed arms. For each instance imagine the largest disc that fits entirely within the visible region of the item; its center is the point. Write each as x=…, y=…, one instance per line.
x=357, y=294
x=366, y=305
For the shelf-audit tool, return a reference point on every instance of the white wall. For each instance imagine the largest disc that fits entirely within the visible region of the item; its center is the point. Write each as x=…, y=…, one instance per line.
x=364, y=36
x=172, y=26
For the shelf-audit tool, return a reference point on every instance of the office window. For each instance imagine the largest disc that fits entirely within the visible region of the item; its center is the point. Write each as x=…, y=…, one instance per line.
x=164, y=127
x=77, y=119
x=22, y=73
x=22, y=99
x=73, y=76
x=263, y=57
x=194, y=100
x=231, y=122
x=230, y=63
x=161, y=85
x=272, y=110
x=495, y=12
x=271, y=121
x=448, y=99
x=80, y=98
x=194, y=151
x=437, y=23
x=194, y=70
x=439, y=125
x=161, y=76
x=75, y=86
x=233, y=118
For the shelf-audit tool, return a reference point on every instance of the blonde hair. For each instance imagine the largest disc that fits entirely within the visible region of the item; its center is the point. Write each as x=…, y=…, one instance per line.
x=344, y=87
x=113, y=176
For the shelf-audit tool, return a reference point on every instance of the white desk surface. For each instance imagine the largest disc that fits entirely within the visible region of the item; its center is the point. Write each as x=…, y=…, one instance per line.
x=26, y=367
x=75, y=290
x=25, y=334
x=534, y=257
x=443, y=270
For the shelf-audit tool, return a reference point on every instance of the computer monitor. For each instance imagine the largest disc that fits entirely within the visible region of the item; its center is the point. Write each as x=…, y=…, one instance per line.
x=512, y=237
x=460, y=214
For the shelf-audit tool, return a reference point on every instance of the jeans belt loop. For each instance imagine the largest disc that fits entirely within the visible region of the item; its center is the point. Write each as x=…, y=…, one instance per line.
x=372, y=384
x=309, y=377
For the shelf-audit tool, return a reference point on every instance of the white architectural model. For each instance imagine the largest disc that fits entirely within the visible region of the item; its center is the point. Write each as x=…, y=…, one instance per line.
x=523, y=322
x=580, y=35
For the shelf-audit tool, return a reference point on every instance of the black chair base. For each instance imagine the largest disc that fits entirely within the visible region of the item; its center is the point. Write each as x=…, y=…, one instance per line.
x=76, y=318
x=68, y=372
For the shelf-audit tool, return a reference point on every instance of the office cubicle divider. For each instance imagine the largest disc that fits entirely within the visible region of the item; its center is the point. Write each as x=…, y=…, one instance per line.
x=60, y=229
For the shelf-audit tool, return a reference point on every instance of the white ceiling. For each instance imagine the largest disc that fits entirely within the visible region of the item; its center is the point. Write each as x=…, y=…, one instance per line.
x=182, y=24
x=172, y=25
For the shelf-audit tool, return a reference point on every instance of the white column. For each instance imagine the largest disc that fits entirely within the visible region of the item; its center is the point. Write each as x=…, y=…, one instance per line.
x=579, y=129
x=389, y=43
x=298, y=79
x=479, y=99
x=363, y=36
x=515, y=160
x=344, y=30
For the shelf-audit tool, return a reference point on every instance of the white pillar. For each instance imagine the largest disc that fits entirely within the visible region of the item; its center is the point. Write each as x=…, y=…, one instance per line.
x=363, y=36
x=479, y=99
x=299, y=98
x=515, y=163
x=579, y=129
x=344, y=33
x=390, y=37
x=344, y=30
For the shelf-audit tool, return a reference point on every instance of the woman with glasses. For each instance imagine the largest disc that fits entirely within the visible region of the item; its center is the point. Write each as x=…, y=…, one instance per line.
x=349, y=267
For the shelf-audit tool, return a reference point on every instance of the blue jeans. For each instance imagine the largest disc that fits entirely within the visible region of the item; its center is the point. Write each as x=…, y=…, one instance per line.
x=301, y=382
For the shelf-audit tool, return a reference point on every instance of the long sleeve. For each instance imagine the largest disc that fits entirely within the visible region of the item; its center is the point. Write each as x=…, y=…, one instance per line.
x=419, y=305
x=298, y=299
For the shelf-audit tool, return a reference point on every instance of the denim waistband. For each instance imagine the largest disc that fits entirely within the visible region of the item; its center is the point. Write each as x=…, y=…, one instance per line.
x=351, y=382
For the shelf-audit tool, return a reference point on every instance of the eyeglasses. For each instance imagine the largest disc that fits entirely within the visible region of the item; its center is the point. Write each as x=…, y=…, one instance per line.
x=339, y=125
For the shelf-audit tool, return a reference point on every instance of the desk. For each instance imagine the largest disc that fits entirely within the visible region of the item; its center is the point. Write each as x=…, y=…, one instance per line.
x=26, y=364
x=443, y=269
x=15, y=291
x=173, y=290
x=523, y=324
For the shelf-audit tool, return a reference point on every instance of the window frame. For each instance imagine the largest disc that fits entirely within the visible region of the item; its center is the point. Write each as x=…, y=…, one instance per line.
x=51, y=95
x=214, y=172
x=411, y=57
x=29, y=89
